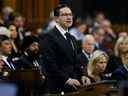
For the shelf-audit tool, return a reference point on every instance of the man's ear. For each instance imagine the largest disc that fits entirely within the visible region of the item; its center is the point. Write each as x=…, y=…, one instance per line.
x=56, y=19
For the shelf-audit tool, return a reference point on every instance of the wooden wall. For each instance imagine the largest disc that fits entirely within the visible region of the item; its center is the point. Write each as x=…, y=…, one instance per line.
x=36, y=12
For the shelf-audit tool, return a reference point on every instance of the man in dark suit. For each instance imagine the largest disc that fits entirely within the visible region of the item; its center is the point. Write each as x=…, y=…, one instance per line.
x=59, y=53
x=32, y=71
x=5, y=51
x=88, y=45
x=8, y=72
x=99, y=35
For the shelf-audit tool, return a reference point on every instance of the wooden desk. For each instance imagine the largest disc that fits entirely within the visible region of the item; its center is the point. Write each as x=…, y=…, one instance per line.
x=98, y=89
x=103, y=88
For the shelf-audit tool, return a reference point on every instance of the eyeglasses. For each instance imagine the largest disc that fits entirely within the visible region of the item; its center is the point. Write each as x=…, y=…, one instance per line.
x=66, y=14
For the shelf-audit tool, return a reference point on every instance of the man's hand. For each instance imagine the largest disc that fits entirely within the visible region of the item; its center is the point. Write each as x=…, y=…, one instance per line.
x=73, y=82
x=85, y=80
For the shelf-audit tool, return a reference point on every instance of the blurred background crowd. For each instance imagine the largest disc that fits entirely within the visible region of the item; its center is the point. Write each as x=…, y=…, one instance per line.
x=98, y=25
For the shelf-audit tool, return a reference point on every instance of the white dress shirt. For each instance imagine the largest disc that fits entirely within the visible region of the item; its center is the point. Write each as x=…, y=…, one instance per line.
x=62, y=31
x=78, y=35
x=88, y=56
x=4, y=58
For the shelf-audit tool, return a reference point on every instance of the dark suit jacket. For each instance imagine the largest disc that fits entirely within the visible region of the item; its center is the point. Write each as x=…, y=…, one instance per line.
x=83, y=61
x=9, y=70
x=120, y=74
x=59, y=60
x=30, y=75
x=101, y=47
x=113, y=64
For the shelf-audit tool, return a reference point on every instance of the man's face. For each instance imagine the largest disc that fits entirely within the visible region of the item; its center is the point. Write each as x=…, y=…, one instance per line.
x=65, y=18
x=100, y=17
x=99, y=36
x=34, y=48
x=19, y=21
x=13, y=31
x=88, y=46
x=82, y=28
x=105, y=25
x=6, y=47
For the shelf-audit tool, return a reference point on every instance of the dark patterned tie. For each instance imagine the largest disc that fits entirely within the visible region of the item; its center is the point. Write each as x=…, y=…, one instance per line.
x=69, y=39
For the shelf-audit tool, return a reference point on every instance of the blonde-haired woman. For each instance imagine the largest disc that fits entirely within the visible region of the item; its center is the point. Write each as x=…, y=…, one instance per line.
x=97, y=66
x=121, y=73
x=121, y=45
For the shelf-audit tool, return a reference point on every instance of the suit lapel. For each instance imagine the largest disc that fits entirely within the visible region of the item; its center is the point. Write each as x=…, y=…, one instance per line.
x=75, y=46
x=7, y=65
x=62, y=42
x=84, y=57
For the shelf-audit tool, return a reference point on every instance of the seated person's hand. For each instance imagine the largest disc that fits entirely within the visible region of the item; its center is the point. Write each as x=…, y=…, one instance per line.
x=85, y=80
x=73, y=82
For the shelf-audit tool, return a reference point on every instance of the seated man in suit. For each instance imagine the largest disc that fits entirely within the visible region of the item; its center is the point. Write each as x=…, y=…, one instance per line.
x=32, y=68
x=88, y=45
x=9, y=68
x=99, y=35
x=5, y=51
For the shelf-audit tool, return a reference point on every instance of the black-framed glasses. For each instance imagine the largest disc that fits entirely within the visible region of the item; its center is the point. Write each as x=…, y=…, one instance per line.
x=66, y=14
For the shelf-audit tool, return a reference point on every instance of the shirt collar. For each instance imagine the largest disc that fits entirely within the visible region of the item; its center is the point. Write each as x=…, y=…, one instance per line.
x=62, y=31
x=86, y=54
x=4, y=57
x=97, y=44
x=125, y=66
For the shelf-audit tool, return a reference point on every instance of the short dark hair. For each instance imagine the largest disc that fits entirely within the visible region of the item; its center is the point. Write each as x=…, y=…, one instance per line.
x=10, y=25
x=57, y=9
x=3, y=38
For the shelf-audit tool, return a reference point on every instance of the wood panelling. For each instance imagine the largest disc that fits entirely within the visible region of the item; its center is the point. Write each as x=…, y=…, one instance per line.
x=120, y=28
x=11, y=3
x=36, y=12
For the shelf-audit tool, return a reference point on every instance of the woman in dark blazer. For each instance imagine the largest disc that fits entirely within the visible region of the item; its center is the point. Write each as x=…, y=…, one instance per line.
x=121, y=73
